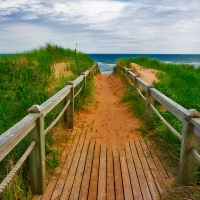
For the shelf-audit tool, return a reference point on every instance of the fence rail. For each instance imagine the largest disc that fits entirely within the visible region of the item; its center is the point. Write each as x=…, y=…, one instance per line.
x=190, y=136
x=33, y=126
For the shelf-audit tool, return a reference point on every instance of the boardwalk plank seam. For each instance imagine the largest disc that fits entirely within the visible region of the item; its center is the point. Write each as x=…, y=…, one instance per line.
x=110, y=176
x=94, y=171
x=71, y=170
x=93, y=187
x=102, y=174
x=79, y=172
x=136, y=188
x=147, y=172
x=128, y=194
x=154, y=170
x=119, y=193
x=53, y=182
x=140, y=172
x=153, y=152
x=84, y=191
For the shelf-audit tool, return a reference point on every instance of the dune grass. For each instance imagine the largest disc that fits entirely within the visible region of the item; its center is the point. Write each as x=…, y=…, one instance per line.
x=28, y=78
x=180, y=83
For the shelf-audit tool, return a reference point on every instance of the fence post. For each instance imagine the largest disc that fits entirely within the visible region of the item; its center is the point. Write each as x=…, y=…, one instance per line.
x=70, y=109
x=136, y=85
x=149, y=113
x=188, y=166
x=84, y=82
x=37, y=158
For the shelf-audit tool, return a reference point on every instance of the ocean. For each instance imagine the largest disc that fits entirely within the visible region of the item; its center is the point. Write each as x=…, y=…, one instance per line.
x=106, y=62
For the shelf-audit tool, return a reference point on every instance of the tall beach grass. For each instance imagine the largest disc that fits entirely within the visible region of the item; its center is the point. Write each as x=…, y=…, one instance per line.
x=181, y=84
x=28, y=78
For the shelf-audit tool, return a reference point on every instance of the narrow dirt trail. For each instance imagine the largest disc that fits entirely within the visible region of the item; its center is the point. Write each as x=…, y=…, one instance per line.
x=109, y=120
x=105, y=156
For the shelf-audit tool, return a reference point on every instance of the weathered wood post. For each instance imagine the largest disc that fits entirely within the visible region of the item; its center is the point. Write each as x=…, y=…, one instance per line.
x=136, y=85
x=149, y=112
x=70, y=109
x=37, y=157
x=96, y=68
x=188, y=166
x=91, y=72
x=84, y=82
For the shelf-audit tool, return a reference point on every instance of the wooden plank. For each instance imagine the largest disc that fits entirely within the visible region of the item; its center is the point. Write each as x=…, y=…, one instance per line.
x=119, y=194
x=196, y=130
x=177, y=110
x=37, y=158
x=142, y=83
x=110, y=176
x=125, y=176
x=158, y=180
x=37, y=197
x=188, y=165
x=81, y=166
x=10, y=138
x=57, y=118
x=102, y=174
x=140, y=173
x=74, y=137
x=69, y=175
x=87, y=173
x=78, y=80
x=95, y=174
x=52, y=102
x=150, y=180
x=69, y=117
x=196, y=127
x=159, y=165
x=68, y=169
x=138, y=80
x=133, y=175
x=148, y=110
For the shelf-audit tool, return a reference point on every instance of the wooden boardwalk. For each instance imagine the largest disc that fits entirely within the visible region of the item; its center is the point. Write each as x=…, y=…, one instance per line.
x=93, y=170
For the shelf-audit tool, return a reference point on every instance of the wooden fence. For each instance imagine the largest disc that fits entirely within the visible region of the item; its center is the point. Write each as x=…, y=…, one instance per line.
x=190, y=137
x=33, y=126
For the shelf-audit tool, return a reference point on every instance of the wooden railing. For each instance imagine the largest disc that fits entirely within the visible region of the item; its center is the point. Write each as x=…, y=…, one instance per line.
x=190, y=136
x=33, y=126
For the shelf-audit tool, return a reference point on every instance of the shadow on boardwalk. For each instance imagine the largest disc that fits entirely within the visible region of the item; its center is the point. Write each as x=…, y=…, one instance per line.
x=106, y=157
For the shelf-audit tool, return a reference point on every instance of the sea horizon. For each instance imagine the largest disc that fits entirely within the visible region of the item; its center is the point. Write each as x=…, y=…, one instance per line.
x=106, y=61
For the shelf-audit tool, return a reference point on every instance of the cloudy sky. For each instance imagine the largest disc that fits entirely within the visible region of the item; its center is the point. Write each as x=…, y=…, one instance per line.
x=101, y=26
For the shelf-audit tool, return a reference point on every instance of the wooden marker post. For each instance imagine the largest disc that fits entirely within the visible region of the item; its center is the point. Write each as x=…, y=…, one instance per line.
x=148, y=116
x=37, y=158
x=188, y=166
x=70, y=109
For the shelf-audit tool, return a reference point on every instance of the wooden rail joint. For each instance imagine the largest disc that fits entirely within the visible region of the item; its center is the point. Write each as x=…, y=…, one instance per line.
x=34, y=109
x=192, y=113
x=70, y=83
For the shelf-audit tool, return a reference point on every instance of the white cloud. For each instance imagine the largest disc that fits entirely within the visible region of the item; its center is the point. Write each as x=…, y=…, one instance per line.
x=140, y=25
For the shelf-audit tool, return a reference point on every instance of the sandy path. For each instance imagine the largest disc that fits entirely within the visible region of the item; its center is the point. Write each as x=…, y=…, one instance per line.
x=109, y=120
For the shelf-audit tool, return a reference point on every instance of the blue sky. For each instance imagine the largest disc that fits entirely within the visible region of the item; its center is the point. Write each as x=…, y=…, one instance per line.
x=101, y=26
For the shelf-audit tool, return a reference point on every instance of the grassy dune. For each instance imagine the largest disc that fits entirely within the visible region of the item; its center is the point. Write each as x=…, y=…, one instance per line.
x=180, y=83
x=31, y=78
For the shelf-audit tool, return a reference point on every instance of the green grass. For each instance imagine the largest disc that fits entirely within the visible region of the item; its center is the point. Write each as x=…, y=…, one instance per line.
x=178, y=82
x=28, y=78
